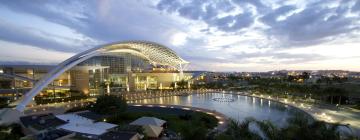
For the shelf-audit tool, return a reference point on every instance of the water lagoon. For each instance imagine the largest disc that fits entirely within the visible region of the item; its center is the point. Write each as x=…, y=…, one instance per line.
x=237, y=107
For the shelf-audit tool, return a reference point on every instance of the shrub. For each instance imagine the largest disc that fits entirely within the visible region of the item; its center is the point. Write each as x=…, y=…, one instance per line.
x=109, y=104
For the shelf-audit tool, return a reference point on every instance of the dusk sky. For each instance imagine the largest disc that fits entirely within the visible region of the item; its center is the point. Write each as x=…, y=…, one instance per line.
x=214, y=35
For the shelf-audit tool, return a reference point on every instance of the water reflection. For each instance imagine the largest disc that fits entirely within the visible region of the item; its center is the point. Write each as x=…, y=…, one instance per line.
x=269, y=103
x=239, y=109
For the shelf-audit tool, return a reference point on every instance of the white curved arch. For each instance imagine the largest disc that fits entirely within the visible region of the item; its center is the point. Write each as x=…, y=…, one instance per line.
x=151, y=51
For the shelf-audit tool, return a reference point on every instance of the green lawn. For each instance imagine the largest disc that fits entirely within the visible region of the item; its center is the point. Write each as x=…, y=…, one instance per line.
x=11, y=132
x=178, y=123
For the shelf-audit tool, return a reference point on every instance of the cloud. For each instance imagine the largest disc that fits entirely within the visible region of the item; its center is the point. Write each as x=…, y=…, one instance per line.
x=356, y=7
x=293, y=25
x=34, y=37
x=229, y=34
x=209, y=11
x=313, y=25
x=179, y=39
x=280, y=57
x=105, y=21
x=13, y=53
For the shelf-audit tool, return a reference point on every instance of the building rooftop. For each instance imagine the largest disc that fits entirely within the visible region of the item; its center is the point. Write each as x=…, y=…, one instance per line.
x=118, y=135
x=73, y=118
x=92, y=115
x=83, y=125
x=41, y=122
x=148, y=121
x=51, y=135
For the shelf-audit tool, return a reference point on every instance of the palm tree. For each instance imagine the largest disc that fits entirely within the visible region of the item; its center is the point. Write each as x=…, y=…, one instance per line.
x=236, y=130
x=270, y=131
x=299, y=127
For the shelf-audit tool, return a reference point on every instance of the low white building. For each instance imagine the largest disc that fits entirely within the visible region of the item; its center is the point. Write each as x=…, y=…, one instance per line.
x=152, y=126
x=148, y=121
x=84, y=126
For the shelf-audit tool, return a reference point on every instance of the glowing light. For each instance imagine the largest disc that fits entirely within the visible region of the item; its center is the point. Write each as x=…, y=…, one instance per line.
x=185, y=108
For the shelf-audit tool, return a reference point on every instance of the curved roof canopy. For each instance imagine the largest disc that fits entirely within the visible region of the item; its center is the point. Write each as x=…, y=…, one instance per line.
x=153, y=52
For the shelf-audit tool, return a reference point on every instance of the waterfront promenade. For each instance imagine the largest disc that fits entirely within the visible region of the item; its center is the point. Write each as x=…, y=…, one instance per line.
x=347, y=117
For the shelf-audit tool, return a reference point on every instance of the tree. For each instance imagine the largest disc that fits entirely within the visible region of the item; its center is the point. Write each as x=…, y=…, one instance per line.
x=299, y=127
x=196, y=133
x=236, y=130
x=109, y=104
x=11, y=132
x=182, y=84
x=270, y=130
x=305, y=75
x=3, y=102
x=334, y=91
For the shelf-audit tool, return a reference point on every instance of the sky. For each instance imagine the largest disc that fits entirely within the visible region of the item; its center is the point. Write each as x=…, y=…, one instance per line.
x=213, y=35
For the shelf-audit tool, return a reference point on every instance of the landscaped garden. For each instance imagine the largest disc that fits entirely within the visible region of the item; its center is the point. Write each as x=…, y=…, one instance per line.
x=185, y=123
x=189, y=124
x=11, y=132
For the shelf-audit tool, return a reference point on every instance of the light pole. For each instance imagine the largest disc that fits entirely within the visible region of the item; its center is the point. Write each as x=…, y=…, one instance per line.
x=107, y=84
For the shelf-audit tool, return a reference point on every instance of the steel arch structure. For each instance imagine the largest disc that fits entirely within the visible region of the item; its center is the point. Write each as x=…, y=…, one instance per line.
x=153, y=52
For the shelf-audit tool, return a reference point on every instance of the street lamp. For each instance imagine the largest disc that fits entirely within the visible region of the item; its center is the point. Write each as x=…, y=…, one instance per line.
x=107, y=83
